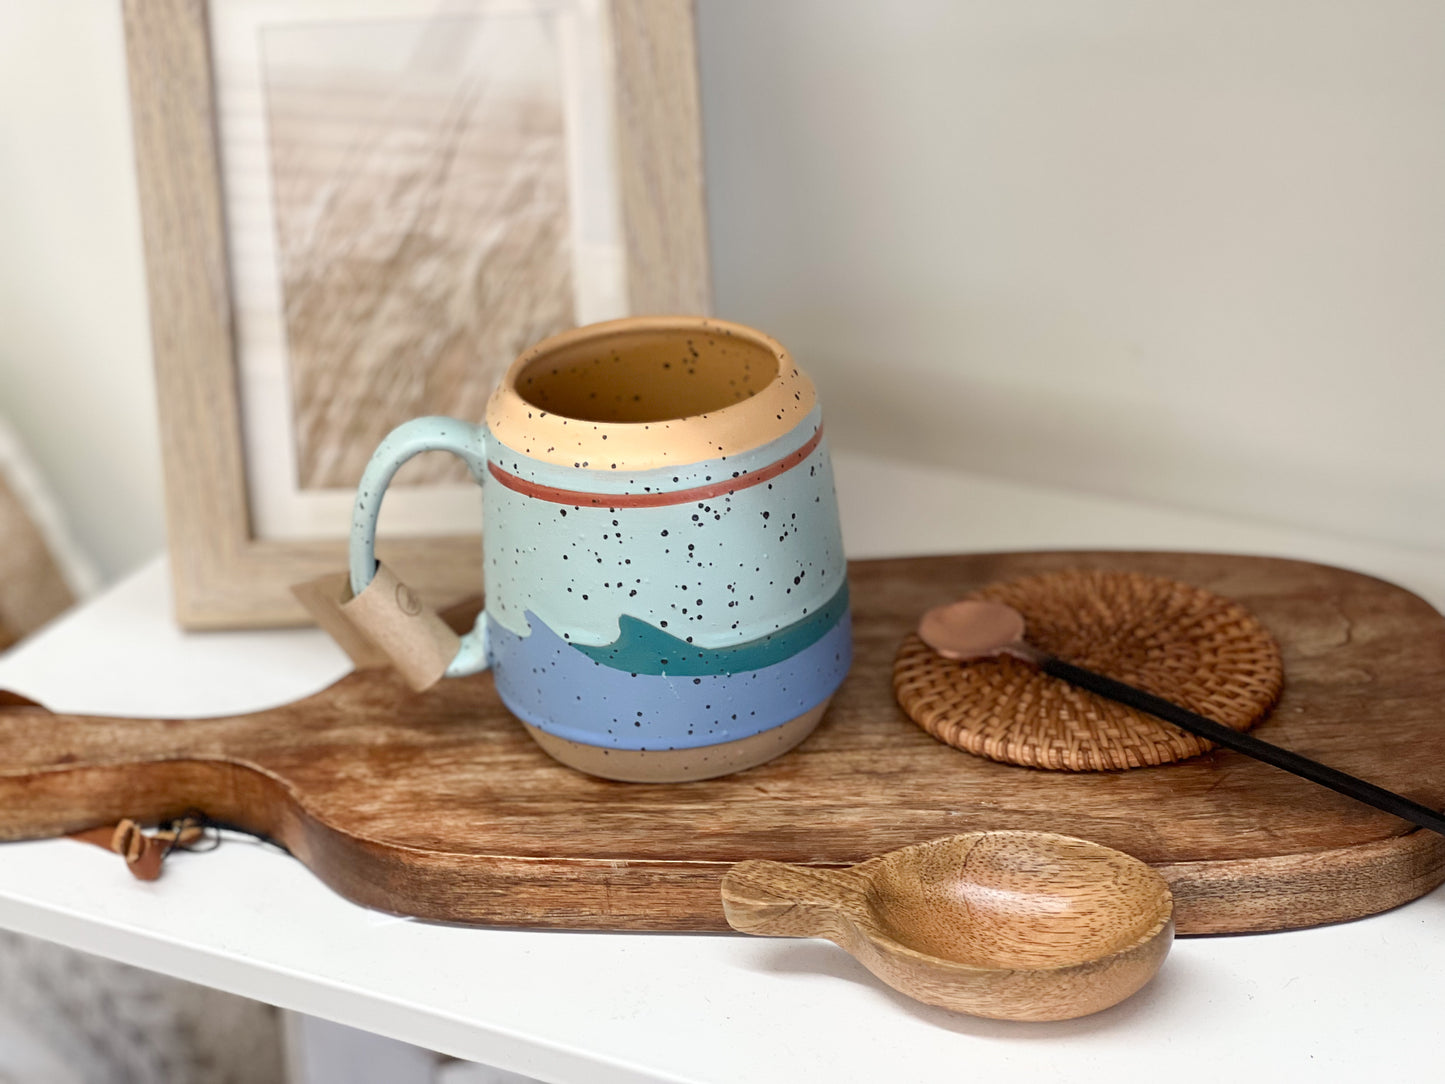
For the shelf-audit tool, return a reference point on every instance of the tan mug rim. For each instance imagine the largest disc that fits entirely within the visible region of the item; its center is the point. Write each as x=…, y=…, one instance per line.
x=770, y=412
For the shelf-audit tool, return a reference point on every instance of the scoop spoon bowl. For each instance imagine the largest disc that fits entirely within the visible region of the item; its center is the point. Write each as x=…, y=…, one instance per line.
x=1014, y=925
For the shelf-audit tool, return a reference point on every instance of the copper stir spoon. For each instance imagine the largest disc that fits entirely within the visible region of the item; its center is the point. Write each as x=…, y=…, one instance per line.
x=972, y=630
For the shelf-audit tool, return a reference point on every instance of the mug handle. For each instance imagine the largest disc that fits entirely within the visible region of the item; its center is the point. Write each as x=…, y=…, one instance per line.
x=431, y=434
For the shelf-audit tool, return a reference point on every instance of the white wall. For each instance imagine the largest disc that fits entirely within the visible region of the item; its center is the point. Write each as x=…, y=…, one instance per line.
x=1186, y=251
x=75, y=375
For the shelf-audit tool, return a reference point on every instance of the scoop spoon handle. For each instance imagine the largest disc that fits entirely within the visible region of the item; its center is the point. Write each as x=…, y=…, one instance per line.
x=777, y=899
x=1220, y=734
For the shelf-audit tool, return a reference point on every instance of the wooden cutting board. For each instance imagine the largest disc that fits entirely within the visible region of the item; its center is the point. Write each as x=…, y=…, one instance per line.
x=438, y=805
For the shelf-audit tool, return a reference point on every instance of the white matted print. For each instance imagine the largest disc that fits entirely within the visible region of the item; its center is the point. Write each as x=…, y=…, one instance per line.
x=415, y=191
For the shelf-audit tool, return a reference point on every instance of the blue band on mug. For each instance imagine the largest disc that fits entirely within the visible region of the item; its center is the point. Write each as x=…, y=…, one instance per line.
x=547, y=682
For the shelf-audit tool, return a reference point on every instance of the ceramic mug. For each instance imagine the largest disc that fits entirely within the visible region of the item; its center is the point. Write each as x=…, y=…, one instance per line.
x=666, y=592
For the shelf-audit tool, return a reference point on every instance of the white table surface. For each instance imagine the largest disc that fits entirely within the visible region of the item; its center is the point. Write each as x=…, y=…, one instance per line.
x=1342, y=1002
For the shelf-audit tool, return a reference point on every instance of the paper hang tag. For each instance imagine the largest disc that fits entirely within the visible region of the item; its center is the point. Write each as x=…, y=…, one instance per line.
x=386, y=625
x=323, y=598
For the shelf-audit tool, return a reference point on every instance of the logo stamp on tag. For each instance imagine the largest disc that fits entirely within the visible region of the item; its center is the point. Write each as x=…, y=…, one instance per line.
x=407, y=601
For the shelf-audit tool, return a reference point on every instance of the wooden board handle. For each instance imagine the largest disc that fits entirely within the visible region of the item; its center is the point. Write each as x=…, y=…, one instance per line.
x=67, y=773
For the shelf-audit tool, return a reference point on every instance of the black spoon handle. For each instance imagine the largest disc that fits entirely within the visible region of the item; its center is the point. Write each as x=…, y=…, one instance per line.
x=1220, y=734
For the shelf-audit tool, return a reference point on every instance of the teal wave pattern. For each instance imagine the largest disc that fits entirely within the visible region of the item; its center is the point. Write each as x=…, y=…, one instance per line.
x=642, y=649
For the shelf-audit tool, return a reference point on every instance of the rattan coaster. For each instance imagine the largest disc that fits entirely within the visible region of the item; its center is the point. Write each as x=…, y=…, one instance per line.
x=1183, y=643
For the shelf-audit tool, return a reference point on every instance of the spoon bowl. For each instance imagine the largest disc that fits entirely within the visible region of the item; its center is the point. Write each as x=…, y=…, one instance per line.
x=1012, y=925
x=974, y=629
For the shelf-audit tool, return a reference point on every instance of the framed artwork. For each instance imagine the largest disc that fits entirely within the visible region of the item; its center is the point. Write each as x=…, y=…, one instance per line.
x=360, y=211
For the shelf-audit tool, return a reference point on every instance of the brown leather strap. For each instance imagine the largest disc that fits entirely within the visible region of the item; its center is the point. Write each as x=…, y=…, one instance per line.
x=143, y=853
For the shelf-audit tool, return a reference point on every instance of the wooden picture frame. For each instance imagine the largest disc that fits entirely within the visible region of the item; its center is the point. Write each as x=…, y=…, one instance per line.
x=225, y=576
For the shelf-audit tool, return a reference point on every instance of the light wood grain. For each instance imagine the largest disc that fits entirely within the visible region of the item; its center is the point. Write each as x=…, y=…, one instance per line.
x=437, y=804
x=224, y=576
x=659, y=134
x=1010, y=925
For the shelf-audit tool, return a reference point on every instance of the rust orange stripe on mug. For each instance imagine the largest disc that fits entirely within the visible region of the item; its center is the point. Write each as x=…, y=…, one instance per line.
x=579, y=499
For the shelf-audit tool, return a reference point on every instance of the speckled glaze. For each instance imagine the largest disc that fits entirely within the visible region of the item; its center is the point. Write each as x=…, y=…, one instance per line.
x=663, y=563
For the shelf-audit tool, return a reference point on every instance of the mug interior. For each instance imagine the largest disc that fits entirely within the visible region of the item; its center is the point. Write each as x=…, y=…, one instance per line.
x=647, y=374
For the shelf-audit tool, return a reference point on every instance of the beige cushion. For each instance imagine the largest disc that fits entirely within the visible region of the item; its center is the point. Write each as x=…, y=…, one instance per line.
x=41, y=570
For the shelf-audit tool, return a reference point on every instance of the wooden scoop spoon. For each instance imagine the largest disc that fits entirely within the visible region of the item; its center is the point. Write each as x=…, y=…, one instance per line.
x=1012, y=925
x=974, y=629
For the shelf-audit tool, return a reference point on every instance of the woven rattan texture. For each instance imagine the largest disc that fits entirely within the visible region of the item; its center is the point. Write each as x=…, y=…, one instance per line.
x=1183, y=643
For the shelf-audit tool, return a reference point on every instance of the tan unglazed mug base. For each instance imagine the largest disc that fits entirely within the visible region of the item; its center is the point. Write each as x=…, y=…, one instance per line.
x=680, y=765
